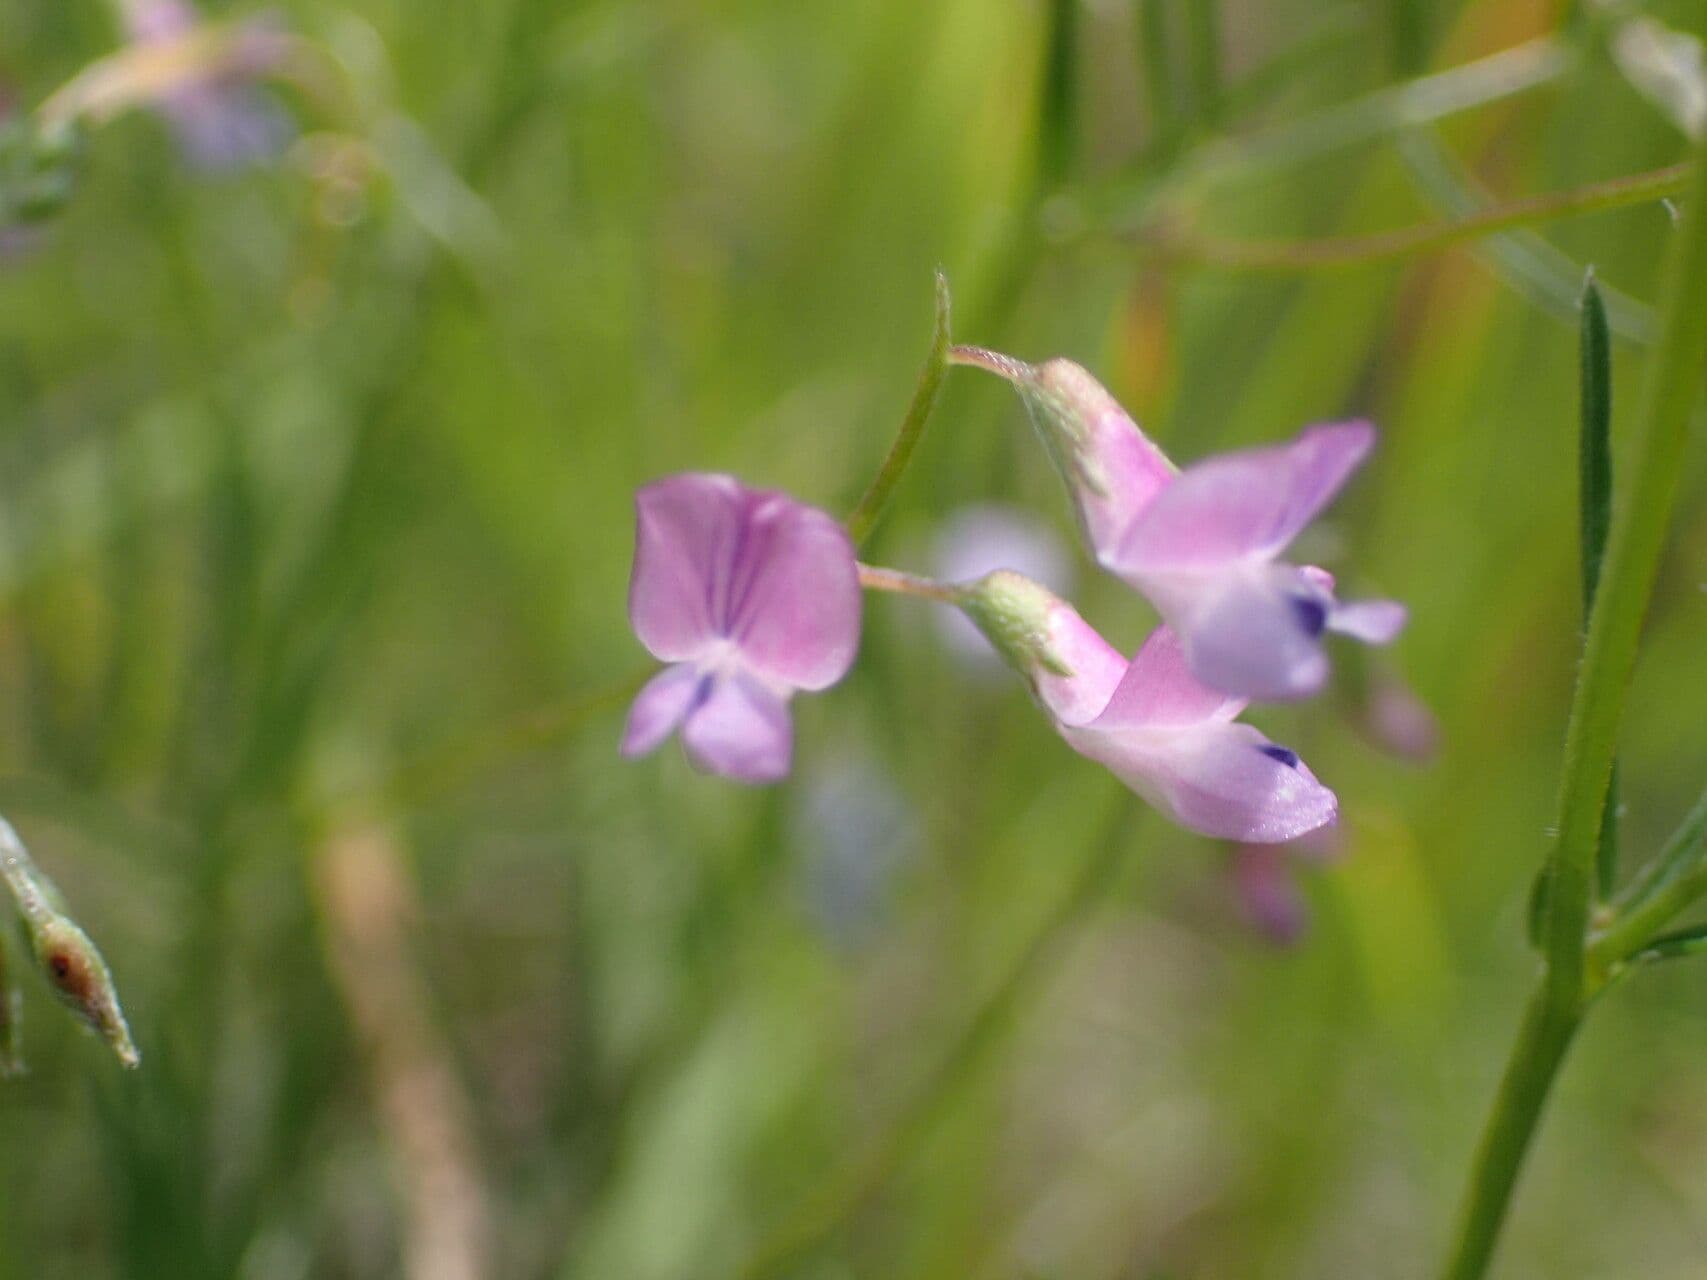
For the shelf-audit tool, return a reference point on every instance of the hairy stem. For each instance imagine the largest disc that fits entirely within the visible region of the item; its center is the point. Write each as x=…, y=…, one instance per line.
x=873, y=578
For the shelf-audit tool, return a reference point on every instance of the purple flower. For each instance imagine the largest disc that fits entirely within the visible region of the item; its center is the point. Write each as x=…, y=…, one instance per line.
x=1163, y=733
x=749, y=595
x=1203, y=544
x=220, y=120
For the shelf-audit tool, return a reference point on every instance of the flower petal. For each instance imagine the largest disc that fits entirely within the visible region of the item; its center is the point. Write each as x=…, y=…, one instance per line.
x=741, y=730
x=1265, y=886
x=686, y=531
x=1159, y=689
x=1093, y=666
x=1223, y=780
x=1242, y=505
x=795, y=603
x=659, y=708
x=1258, y=634
x=1371, y=621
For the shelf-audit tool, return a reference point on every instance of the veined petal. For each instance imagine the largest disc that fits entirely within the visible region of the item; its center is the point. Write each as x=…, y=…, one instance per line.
x=741, y=730
x=1371, y=621
x=686, y=533
x=658, y=708
x=796, y=618
x=1159, y=690
x=1239, y=506
x=1223, y=780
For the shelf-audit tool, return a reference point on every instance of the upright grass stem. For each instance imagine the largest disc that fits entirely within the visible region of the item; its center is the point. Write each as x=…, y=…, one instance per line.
x=1640, y=519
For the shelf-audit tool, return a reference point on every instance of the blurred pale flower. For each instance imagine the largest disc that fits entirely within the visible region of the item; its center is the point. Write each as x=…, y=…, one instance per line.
x=1399, y=722
x=854, y=829
x=1150, y=721
x=1203, y=544
x=980, y=539
x=749, y=595
x=220, y=118
x=1264, y=881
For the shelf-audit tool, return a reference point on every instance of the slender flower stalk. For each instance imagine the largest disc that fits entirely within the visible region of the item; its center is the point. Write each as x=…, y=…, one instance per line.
x=1640, y=520
x=873, y=578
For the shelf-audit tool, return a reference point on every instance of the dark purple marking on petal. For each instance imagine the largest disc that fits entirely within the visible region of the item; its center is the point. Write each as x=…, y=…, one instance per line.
x=1311, y=613
x=1283, y=755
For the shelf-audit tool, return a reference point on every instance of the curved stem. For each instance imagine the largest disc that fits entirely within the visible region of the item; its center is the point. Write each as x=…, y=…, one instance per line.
x=1386, y=246
x=865, y=515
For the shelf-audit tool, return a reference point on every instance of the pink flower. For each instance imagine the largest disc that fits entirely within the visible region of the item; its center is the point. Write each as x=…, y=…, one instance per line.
x=1163, y=733
x=1265, y=883
x=749, y=595
x=1203, y=544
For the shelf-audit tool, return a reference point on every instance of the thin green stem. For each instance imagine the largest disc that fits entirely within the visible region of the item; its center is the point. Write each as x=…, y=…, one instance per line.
x=1203, y=59
x=1535, y=1058
x=1594, y=520
x=1156, y=66
x=1640, y=520
x=870, y=508
x=873, y=578
x=853, y=1186
x=1386, y=246
x=1058, y=111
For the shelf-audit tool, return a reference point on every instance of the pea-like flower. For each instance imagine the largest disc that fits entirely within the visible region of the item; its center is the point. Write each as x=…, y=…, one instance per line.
x=1159, y=729
x=1203, y=544
x=749, y=595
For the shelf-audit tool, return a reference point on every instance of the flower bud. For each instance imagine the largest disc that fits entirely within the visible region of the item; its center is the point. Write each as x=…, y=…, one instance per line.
x=1015, y=614
x=77, y=974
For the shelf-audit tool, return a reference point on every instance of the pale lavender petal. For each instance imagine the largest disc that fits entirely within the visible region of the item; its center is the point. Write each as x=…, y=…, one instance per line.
x=1371, y=621
x=1257, y=633
x=741, y=731
x=1241, y=506
x=1223, y=780
x=1399, y=722
x=795, y=598
x=687, y=527
x=659, y=708
x=1113, y=469
x=221, y=127
x=1093, y=668
x=1159, y=690
x=1266, y=889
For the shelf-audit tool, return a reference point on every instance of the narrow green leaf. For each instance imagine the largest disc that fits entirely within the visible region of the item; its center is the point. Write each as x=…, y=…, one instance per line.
x=1594, y=482
x=1674, y=946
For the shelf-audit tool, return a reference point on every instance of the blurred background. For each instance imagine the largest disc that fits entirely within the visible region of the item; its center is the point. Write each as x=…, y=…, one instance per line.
x=324, y=391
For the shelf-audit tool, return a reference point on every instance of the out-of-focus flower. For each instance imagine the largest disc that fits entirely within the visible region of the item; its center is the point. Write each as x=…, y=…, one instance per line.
x=750, y=596
x=220, y=118
x=1668, y=68
x=1399, y=722
x=1264, y=881
x=201, y=76
x=1150, y=721
x=854, y=829
x=1203, y=544
x=978, y=540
